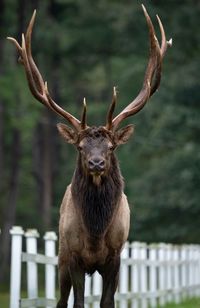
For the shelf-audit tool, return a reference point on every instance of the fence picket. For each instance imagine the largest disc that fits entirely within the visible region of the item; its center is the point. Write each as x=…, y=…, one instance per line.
x=183, y=270
x=162, y=273
x=193, y=270
x=50, y=271
x=197, y=272
x=169, y=272
x=143, y=273
x=71, y=299
x=15, y=273
x=191, y=273
x=88, y=290
x=32, y=273
x=176, y=274
x=96, y=287
x=123, y=278
x=135, y=274
x=153, y=274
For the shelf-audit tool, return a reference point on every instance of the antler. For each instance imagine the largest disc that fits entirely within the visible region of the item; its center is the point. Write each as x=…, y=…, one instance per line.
x=151, y=79
x=36, y=83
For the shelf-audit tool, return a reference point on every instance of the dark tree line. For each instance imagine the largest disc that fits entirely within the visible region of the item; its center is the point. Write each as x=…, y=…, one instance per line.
x=83, y=49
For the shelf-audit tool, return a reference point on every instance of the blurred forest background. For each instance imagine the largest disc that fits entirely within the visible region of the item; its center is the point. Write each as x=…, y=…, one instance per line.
x=84, y=48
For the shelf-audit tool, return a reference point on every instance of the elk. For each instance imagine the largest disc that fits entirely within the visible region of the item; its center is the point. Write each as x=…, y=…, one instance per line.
x=94, y=214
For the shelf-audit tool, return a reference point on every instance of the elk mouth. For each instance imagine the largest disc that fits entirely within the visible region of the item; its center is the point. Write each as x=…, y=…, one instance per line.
x=96, y=175
x=96, y=178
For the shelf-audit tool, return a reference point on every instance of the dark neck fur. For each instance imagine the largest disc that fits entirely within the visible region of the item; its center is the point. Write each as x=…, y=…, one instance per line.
x=97, y=203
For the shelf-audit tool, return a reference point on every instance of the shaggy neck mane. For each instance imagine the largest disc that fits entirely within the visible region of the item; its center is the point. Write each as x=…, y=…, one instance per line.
x=97, y=202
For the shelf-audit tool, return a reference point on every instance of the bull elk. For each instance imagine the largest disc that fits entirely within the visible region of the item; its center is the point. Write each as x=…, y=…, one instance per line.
x=94, y=214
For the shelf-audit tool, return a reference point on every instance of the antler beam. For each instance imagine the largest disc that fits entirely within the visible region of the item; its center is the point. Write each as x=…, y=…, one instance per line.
x=152, y=76
x=36, y=83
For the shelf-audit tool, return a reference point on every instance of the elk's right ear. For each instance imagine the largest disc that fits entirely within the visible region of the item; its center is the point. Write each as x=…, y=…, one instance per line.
x=67, y=133
x=123, y=134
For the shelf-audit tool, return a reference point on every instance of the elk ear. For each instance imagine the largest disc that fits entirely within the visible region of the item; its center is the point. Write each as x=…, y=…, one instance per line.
x=123, y=134
x=67, y=133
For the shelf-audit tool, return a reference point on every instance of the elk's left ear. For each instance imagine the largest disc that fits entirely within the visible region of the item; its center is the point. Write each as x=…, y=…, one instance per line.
x=123, y=134
x=67, y=133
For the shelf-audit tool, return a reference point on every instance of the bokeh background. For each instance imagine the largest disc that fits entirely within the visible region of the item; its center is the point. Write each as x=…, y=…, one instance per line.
x=83, y=48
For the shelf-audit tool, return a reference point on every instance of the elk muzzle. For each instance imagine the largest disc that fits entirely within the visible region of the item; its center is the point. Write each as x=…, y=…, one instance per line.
x=96, y=164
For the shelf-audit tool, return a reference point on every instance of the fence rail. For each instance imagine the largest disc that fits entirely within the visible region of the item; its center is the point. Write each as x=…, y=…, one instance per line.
x=150, y=275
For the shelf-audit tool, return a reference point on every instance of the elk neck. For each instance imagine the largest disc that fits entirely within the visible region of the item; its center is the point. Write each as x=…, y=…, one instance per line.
x=97, y=203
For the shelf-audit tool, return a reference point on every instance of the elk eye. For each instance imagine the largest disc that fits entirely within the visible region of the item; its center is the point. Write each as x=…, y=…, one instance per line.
x=111, y=147
x=79, y=147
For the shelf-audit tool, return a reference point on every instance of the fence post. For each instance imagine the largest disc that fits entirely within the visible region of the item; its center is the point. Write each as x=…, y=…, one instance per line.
x=162, y=272
x=32, y=274
x=15, y=279
x=143, y=249
x=187, y=265
x=123, y=280
x=183, y=271
x=193, y=269
x=50, y=271
x=176, y=274
x=196, y=269
x=152, y=275
x=169, y=272
x=135, y=274
x=88, y=284
x=71, y=298
x=96, y=287
x=198, y=258
x=190, y=266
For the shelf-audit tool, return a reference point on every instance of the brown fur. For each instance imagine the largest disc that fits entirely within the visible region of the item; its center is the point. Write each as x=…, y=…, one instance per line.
x=75, y=241
x=94, y=217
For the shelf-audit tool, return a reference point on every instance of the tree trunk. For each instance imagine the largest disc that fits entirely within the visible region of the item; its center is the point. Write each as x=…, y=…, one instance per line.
x=10, y=209
x=2, y=42
x=45, y=156
x=9, y=214
x=37, y=165
x=47, y=172
x=42, y=169
x=1, y=145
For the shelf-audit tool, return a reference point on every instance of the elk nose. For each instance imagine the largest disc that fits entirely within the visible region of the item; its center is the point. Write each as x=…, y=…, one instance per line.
x=96, y=164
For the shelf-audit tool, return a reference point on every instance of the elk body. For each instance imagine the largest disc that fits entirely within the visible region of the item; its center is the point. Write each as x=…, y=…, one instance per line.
x=94, y=214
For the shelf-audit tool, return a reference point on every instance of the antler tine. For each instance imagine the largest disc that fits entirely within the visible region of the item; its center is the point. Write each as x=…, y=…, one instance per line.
x=154, y=72
x=35, y=72
x=153, y=68
x=15, y=42
x=164, y=43
x=24, y=58
x=84, y=113
x=35, y=81
x=111, y=109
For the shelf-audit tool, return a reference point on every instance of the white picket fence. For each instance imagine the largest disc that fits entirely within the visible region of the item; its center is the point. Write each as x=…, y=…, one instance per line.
x=150, y=275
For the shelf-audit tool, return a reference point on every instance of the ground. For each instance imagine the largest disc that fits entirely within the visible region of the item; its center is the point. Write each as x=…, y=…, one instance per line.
x=193, y=303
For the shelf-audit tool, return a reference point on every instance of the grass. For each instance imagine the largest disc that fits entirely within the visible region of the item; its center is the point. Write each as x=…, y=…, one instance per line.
x=191, y=303
x=4, y=300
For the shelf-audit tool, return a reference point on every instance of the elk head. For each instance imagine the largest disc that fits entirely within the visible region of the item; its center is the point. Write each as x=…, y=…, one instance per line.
x=96, y=144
